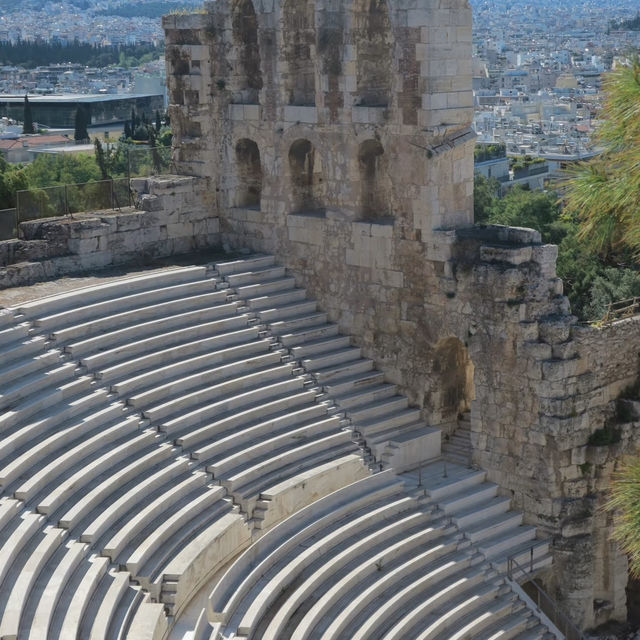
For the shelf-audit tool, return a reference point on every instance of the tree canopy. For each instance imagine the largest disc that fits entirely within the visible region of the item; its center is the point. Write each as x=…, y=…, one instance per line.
x=603, y=194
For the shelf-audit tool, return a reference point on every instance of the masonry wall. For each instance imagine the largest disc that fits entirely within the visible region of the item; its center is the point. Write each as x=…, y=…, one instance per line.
x=356, y=171
x=169, y=220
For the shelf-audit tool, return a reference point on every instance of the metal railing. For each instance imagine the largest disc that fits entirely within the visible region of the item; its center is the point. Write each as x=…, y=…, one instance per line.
x=543, y=601
x=65, y=200
x=621, y=310
x=8, y=224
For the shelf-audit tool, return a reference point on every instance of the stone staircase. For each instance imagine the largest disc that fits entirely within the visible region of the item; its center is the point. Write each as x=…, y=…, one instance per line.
x=154, y=427
x=456, y=447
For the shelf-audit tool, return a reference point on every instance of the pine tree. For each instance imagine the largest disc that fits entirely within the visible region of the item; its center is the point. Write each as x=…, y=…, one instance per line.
x=27, y=126
x=81, y=121
x=603, y=194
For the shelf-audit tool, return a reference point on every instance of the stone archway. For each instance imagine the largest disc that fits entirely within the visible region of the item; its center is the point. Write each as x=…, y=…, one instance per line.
x=248, y=75
x=299, y=38
x=454, y=370
x=249, y=174
x=306, y=176
x=374, y=180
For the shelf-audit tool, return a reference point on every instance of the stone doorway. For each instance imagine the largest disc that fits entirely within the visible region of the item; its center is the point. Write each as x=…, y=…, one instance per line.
x=249, y=174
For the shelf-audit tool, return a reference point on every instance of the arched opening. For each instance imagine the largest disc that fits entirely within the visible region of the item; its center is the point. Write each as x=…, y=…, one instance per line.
x=306, y=176
x=374, y=180
x=455, y=370
x=374, y=52
x=248, y=76
x=299, y=36
x=249, y=174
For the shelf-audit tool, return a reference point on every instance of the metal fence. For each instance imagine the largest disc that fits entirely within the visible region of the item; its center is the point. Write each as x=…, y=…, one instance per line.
x=621, y=310
x=63, y=200
x=8, y=224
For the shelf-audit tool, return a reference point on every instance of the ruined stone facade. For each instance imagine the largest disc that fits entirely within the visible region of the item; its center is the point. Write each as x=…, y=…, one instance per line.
x=337, y=136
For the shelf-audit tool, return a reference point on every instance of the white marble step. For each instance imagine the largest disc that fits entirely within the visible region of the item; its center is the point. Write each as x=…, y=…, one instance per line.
x=146, y=513
x=284, y=311
x=331, y=358
x=243, y=265
x=235, y=403
x=440, y=580
x=14, y=371
x=15, y=354
x=101, y=623
x=209, y=368
x=481, y=511
x=13, y=335
x=383, y=407
x=34, y=564
x=127, y=351
x=74, y=553
x=76, y=598
x=363, y=398
x=251, y=386
x=15, y=536
x=347, y=507
x=258, y=449
x=353, y=383
x=134, y=373
x=318, y=347
x=265, y=288
x=118, y=288
x=137, y=316
x=255, y=276
x=276, y=299
x=494, y=526
x=208, y=430
x=508, y=627
x=341, y=372
x=7, y=318
x=303, y=336
x=136, y=498
x=110, y=306
x=365, y=570
x=54, y=453
x=500, y=545
x=86, y=501
x=386, y=423
x=150, y=328
x=472, y=496
x=297, y=323
x=254, y=432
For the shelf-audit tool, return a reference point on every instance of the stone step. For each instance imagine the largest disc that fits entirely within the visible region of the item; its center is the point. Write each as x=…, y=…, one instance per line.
x=15, y=353
x=180, y=397
x=7, y=318
x=354, y=383
x=76, y=598
x=131, y=499
x=377, y=409
x=265, y=288
x=132, y=374
x=122, y=287
x=16, y=536
x=126, y=351
x=286, y=311
x=342, y=371
x=64, y=567
x=389, y=422
x=364, y=397
x=237, y=428
x=102, y=622
x=48, y=542
x=250, y=263
x=165, y=310
x=275, y=300
x=439, y=581
x=255, y=276
x=235, y=403
x=508, y=627
x=324, y=345
x=13, y=370
x=494, y=526
x=331, y=359
x=481, y=511
x=521, y=553
x=128, y=335
x=442, y=483
x=500, y=544
x=104, y=308
x=13, y=335
x=296, y=323
x=150, y=385
x=312, y=334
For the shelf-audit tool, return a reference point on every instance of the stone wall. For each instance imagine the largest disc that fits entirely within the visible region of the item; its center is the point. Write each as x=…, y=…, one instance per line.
x=169, y=220
x=337, y=136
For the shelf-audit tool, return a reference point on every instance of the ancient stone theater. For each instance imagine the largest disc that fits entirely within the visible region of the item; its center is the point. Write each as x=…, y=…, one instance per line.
x=294, y=392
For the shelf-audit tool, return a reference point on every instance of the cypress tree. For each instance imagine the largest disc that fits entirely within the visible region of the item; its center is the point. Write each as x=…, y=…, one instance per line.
x=81, y=132
x=158, y=122
x=27, y=126
x=127, y=130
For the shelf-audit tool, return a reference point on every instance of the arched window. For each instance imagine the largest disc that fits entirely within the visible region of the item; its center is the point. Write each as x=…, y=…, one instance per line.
x=374, y=52
x=247, y=72
x=375, y=184
x=306, y=176
x=299, y=36
x=249, y=174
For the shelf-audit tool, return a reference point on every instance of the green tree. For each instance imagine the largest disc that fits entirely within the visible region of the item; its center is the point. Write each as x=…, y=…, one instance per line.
x=485, y=195
x=603, y=194
x=27, y=126
x=102, y=159
x=81, y=121
x=158, y=122
x=127, y=130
